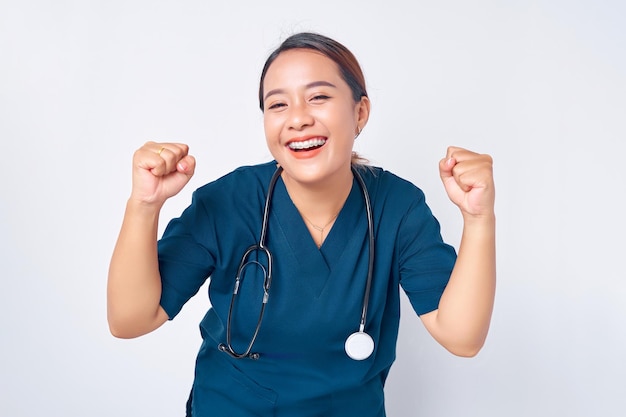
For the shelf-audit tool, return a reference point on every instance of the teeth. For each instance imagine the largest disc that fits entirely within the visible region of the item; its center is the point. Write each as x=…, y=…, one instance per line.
x=306, y=144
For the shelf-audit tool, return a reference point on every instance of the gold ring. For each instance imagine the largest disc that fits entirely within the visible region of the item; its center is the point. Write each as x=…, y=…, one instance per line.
x=160, y=150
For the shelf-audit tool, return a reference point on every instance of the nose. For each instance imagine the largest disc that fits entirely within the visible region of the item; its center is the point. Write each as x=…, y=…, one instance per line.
x=299, y=116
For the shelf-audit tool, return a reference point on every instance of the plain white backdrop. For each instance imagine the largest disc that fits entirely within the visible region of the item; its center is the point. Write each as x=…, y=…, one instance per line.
x=540, y=85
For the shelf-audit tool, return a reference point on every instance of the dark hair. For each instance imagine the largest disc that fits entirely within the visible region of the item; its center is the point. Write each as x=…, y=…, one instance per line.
x=345, y=60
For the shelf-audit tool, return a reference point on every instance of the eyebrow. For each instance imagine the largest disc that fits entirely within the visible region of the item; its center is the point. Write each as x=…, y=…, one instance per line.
x=309, y=85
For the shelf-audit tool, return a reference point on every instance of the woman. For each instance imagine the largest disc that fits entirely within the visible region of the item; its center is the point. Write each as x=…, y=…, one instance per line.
x=296, y=357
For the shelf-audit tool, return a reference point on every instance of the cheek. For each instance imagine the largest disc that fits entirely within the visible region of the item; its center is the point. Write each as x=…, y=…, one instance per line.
x=343, y=117
x=344, y=129
x=271, y=129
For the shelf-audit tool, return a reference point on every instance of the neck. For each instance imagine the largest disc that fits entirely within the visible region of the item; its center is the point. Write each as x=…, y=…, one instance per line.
x=320, y=203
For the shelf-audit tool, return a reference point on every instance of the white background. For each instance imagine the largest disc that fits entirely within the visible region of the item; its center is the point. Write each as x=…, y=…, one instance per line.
x=540, y=85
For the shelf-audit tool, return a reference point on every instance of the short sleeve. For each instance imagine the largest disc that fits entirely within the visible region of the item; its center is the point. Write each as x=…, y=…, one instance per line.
x=425, y=261
x=185, y=263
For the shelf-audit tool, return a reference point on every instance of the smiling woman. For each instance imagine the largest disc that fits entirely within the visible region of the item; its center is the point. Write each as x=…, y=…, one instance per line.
x=311, y=120
x=308, y=225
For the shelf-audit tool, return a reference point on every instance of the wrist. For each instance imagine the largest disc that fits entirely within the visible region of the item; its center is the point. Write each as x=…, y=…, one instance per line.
x=481, y=221
x=140, y=208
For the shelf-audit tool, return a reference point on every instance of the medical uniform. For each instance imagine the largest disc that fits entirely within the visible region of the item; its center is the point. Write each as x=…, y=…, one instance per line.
x=316, y=295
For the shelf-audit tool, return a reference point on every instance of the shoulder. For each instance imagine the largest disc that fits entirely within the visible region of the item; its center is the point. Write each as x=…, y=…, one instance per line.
x=386, y=186
x=240, y=191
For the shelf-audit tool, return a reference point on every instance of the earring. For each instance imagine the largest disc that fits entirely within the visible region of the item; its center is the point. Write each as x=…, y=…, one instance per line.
x=358, y=132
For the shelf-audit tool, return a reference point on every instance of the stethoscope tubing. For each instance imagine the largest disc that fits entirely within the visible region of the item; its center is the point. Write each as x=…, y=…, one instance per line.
x=370, y=264
x=227, y=348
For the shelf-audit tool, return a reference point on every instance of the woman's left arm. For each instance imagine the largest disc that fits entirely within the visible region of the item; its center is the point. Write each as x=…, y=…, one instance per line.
x=461, y=322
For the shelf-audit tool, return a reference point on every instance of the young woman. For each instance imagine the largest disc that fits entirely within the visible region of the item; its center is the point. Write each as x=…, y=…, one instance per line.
x=306, y=254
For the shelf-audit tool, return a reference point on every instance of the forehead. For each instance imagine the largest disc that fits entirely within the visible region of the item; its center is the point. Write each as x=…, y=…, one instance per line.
x=301, y=66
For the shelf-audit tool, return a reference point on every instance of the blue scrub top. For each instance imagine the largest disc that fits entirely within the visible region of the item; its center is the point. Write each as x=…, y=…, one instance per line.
x=316, y=296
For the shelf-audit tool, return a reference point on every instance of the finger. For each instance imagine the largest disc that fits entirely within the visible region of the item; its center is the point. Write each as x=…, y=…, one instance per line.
x=166, y=163
x=466, y=168
x=451, y=150
x=463, y=180
x=170, y=154
x=473, y=172
x=177, y=149
x=460, y=154
x=446, y=166
x=147, y=158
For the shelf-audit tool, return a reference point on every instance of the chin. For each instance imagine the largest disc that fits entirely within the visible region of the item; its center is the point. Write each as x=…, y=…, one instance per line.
x=304, y=174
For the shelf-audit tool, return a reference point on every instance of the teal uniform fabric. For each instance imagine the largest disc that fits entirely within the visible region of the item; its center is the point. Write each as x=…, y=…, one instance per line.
x=316, y=295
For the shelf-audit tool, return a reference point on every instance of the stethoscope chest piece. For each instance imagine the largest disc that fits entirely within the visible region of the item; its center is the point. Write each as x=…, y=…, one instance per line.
x=359, y=346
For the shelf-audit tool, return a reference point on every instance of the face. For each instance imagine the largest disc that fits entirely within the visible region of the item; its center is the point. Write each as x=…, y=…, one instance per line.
x=310, y=117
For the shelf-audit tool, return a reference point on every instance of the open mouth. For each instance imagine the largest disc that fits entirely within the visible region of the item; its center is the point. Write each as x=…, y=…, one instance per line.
x=307, y=145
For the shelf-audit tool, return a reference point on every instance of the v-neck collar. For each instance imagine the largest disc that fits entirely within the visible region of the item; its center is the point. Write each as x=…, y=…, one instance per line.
x=352, y=215
x=316, y=265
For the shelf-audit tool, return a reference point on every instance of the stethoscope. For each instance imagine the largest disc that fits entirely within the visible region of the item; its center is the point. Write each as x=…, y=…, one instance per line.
x=359, y=345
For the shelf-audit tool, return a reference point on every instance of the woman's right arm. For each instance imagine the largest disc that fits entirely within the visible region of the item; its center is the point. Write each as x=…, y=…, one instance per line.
x=160, y=170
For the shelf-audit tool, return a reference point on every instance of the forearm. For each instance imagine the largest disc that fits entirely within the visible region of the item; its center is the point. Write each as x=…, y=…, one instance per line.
x=462, y=320
x=134, y=283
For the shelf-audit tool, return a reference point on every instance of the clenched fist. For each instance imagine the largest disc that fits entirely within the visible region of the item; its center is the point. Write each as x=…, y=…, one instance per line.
x=160, y=171
x=468, y=179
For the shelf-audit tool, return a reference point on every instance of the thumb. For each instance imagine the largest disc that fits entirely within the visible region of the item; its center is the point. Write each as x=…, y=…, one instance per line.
x=187, y=165
x=445, y=168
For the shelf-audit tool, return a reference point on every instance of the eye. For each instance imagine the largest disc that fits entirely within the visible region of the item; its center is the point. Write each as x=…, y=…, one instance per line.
x=276, y=106
x=320, y=97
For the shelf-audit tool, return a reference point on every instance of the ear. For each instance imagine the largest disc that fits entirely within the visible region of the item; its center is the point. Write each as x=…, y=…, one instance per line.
x=362, y=113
